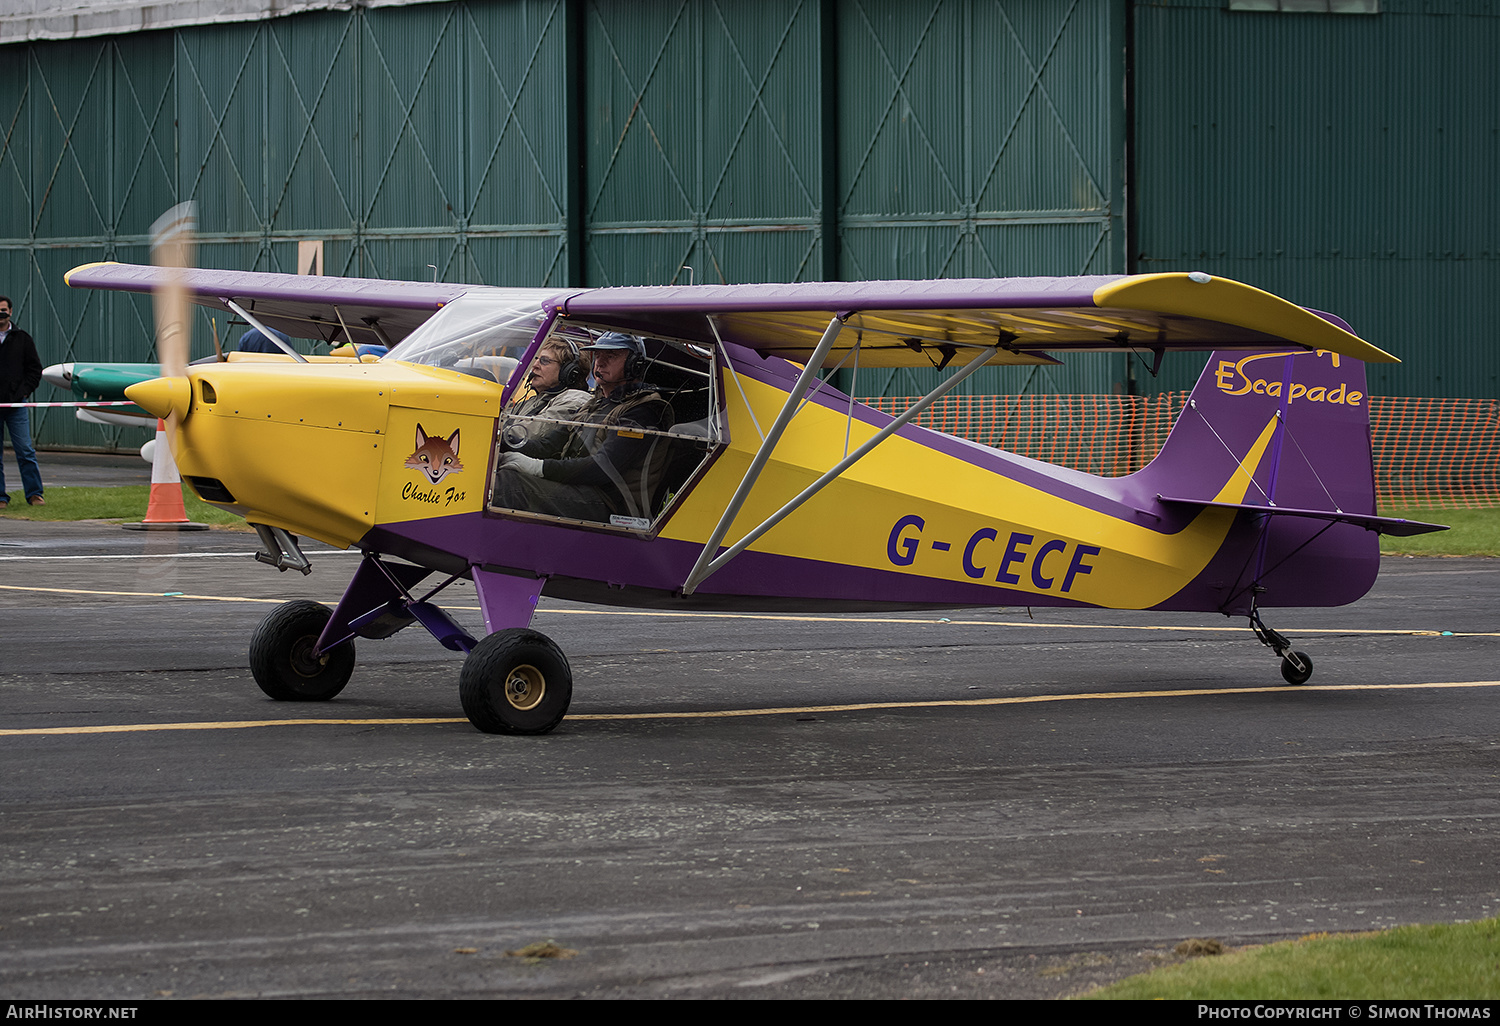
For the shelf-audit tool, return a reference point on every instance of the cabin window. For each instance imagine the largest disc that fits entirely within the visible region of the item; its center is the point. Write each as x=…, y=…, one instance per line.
x=572, y=449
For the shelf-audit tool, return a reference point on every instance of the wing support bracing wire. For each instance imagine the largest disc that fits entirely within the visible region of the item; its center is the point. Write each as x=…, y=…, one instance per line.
x=705, y=567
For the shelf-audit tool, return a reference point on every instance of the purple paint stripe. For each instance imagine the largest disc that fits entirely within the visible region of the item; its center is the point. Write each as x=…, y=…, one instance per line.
x=663, y=564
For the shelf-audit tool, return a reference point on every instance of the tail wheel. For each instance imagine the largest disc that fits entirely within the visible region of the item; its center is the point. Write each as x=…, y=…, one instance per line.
x=516, y=681
x=282, y=655
x=1296, y=667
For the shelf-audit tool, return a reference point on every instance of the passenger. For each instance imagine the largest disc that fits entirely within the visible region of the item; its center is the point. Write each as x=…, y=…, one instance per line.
x=612, y=464
x=557, y=378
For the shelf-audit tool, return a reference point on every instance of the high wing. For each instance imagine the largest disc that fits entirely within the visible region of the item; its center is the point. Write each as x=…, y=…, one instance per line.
x=893, y=323
x=927, y=323
x=336, y=310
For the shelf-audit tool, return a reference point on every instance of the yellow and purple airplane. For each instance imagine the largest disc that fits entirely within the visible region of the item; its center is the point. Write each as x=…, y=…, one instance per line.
x=757, y=485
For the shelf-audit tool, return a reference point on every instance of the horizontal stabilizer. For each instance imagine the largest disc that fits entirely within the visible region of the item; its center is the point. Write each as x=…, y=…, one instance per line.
x=1382, y=525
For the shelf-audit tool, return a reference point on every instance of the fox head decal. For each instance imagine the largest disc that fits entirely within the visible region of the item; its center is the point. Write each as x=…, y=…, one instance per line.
x=435, y=457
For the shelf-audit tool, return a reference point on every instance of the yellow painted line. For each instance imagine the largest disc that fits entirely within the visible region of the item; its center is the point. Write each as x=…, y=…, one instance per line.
x=139, y=594
x=140, y=728
x=811, y=618
x=129, y=728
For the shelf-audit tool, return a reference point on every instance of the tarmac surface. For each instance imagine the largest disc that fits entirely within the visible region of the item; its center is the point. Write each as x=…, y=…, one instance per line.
x=974, y=804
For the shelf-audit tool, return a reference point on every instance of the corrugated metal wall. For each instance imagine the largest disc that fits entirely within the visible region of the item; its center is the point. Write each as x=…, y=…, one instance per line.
x=1343, y=161
x=555, y=141
x=982, y=139
x=401, y=137
x=1347, y=162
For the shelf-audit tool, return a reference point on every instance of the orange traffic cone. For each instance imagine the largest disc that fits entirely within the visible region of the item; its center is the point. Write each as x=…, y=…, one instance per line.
x=165, y=511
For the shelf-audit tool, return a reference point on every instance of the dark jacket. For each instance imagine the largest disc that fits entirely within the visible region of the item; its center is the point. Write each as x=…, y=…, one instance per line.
x=622, y=454
x=20, y=368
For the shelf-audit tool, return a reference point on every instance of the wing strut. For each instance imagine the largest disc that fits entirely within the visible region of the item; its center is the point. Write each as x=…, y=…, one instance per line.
x=704, y=567
x=265, y=331
x=809, y=374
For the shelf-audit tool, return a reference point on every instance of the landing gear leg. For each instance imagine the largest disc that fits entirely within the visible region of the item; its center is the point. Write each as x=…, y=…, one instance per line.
x=1296, y=667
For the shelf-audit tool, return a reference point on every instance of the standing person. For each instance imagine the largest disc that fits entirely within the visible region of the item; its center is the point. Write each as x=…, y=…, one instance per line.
x=20, y=373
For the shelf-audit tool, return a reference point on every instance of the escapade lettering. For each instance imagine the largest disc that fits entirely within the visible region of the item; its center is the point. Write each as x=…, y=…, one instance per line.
x=1228, y=371
x=1019, y=554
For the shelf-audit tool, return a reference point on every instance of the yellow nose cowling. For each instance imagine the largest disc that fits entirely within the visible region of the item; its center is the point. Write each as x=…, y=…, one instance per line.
x=162, y=396
x=302, y=446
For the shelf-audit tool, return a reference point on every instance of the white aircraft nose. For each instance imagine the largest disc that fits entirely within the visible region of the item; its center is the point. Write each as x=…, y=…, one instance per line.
x=60, y=375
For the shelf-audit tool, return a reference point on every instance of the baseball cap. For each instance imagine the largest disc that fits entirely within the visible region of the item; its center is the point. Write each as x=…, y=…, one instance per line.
x=617, y=340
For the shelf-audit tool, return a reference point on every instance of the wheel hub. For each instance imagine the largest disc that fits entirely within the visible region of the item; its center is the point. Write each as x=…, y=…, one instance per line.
x=303, y=660
x=525, y=687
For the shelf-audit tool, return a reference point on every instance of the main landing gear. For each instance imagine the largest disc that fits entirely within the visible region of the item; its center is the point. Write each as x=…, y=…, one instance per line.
x=284, y=657
x=1296, y=667
x=515, y=681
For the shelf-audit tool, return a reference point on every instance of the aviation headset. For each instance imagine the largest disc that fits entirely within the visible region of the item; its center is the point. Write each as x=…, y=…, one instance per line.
x=636, y=363
x=575, y=373
x=572, y=368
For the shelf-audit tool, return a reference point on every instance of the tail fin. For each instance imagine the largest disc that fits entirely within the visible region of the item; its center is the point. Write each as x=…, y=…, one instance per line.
x=1284, y=436
x=1318, y=452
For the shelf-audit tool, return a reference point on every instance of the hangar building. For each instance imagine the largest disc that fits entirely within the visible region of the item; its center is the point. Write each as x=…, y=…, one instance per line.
x=1341, y=153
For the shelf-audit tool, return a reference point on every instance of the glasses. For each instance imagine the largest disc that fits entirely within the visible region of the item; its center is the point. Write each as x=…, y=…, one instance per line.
x=545, y=361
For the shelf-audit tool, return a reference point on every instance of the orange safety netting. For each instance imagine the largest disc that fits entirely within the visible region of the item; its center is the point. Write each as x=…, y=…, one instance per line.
x=1428, y=452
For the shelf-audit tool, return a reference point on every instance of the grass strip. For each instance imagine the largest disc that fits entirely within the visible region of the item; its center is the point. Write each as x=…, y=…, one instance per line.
x=1458, y=961
x=123, y=504
x=1473, y=532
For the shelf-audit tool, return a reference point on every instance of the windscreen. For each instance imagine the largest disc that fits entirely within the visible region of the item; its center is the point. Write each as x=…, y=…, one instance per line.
x=482, y=333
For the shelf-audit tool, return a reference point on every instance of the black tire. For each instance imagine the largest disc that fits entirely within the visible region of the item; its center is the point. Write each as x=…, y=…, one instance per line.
x=281, y=655
x=516, y=681
x=1293, y=674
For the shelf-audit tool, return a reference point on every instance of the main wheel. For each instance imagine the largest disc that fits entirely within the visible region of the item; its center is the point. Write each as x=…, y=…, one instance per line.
x=516, y=681
x=282, y=660
x=1292, y=672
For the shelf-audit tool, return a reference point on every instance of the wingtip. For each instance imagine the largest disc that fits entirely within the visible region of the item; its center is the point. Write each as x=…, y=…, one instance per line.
x=68, y=277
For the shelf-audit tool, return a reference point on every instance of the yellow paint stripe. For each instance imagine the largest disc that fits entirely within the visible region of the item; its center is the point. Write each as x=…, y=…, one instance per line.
x=128, y=728
x=812, y=618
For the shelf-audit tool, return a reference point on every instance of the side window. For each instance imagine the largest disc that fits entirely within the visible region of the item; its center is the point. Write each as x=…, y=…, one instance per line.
x=607, y=429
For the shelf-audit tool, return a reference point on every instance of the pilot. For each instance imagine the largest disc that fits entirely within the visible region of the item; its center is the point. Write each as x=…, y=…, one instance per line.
x=557, y=377
x=611, y=464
